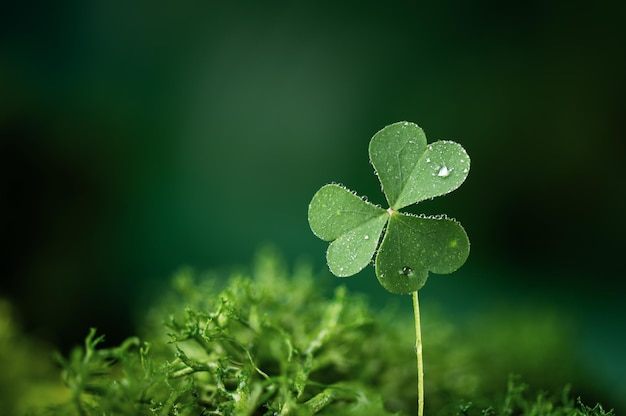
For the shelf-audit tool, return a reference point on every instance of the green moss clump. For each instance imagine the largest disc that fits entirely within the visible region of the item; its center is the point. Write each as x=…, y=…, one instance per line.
x=27, y=372
x=273, y=343
x=518, y=401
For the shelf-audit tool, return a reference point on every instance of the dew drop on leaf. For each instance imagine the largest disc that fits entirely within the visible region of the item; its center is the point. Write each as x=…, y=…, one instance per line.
x=444, y=171
x=406, y=270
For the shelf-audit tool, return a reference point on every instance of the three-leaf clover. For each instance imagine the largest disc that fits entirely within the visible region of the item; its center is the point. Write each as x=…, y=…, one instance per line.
x=410, y=171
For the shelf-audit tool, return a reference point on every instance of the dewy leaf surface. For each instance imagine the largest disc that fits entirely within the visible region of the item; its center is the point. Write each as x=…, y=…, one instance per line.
x=353, y=250
x=334, y=210
x=441, y=169
x=409, y=170
x=394, y=152
x=353, y=225
x=413, y=246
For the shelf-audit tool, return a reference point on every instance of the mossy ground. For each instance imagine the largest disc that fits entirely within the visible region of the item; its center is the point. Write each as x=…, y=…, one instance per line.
x=271, y=342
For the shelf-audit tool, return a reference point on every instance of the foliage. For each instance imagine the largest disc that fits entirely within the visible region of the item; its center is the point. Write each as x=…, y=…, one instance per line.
x=410, y=171
x=273, y=343
x=27, y=372
x=517, y=401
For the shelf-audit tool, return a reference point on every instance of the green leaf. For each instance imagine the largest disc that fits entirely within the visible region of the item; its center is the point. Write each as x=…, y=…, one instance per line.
x=353, y=250
x=414, y=245
x=442, y=168
x=353, y=225
x=394, y=151
x=411, y=171
x=335, y=210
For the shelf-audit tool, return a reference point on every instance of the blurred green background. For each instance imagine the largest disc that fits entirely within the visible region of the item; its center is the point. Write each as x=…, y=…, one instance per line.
x=138, y=137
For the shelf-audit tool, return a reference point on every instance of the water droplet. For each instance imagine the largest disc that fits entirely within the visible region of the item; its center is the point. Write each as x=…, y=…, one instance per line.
x=444, y=171
x=406, y=270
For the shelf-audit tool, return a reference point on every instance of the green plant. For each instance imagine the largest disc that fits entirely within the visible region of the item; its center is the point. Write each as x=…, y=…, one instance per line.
x=272, y=342
x=27, y=374
x=517, y=401
x=410, y=171
x=238, y=346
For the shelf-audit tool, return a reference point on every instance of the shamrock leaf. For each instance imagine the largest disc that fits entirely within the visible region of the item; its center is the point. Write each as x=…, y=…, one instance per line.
x=353, y=225
x=410, y=171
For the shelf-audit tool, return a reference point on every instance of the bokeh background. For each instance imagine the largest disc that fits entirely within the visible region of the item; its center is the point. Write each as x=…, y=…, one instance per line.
x=139, y=137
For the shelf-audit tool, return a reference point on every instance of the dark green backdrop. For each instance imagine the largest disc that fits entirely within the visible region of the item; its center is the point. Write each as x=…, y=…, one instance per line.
x=138, y=138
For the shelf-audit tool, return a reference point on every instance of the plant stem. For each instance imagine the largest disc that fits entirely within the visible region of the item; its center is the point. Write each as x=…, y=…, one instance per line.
x=418, y=352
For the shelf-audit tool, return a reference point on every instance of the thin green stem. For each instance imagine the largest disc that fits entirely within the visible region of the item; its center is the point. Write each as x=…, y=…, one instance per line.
x=418, y=352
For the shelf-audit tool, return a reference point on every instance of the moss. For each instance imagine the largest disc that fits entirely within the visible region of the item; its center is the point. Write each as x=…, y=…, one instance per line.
x=271, y=342
x=27, y=372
